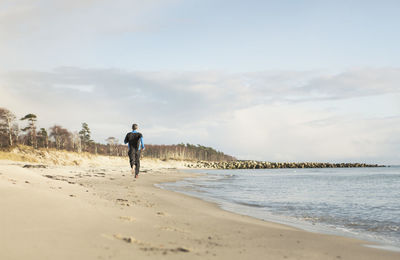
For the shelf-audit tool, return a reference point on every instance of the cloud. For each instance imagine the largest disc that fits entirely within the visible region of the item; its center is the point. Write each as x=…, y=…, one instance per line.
x=268, y=115
x=289, y=132
x=355, y=83
x=47, y=33
x=76, y=16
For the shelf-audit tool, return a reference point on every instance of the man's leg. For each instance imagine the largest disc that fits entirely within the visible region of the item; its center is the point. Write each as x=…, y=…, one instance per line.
x=137, y=162
x=132, y=158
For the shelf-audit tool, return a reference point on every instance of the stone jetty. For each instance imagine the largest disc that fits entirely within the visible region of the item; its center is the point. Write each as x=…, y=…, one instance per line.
x=239, y=164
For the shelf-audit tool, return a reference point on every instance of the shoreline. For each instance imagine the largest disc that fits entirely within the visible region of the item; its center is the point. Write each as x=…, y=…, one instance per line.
x=318, y=228
x=102, y=212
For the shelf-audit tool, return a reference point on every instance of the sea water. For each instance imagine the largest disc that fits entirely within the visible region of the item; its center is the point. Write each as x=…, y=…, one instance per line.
x=357, y=202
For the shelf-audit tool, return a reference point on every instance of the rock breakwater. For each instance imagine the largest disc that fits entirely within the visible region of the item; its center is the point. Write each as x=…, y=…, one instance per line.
x=272, y=165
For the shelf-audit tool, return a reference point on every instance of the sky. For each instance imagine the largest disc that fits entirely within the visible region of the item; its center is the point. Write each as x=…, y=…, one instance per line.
x=265, y=80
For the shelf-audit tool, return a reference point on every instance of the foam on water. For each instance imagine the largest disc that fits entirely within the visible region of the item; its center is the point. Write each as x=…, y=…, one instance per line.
x=358, y=202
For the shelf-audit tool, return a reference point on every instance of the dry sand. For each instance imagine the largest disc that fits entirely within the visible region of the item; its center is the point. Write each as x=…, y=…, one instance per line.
x=102, y=212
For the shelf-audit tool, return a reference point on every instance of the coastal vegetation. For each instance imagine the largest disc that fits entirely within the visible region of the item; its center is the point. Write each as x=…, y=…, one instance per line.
x=24, y=132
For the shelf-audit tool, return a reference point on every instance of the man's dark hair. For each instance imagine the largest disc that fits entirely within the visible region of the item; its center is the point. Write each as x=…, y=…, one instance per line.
x=134, y=126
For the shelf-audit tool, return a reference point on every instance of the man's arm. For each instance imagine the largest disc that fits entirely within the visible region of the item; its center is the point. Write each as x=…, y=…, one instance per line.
x=126, y=138
x=141, y=143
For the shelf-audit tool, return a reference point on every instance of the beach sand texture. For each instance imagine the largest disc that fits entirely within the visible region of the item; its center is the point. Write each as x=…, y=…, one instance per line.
x=101, y=212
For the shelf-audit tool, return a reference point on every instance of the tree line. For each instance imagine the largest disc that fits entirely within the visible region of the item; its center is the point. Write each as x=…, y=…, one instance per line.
x=186, y=152
x=25, y=131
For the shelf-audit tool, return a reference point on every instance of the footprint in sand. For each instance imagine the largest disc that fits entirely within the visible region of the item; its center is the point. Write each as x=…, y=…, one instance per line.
x=149, y=205
x=123, y=202
x=130, y=240
x=127, y=218
x=173, y=229
x=149, y=247
x=162, y=214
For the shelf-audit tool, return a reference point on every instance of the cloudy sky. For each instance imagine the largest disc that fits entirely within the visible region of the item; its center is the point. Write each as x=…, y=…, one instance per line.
x=267, y=80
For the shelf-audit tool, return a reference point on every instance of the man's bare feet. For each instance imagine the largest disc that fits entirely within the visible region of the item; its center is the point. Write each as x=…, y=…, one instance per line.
x=136, y=176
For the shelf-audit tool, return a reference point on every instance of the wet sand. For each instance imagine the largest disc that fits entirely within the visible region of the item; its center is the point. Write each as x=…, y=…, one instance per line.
x=92, y=212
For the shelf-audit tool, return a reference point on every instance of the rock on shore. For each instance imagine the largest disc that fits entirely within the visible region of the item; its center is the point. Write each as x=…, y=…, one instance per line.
x=271, y=165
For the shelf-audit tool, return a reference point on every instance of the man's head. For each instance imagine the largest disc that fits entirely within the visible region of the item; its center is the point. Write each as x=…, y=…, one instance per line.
x=134, y=126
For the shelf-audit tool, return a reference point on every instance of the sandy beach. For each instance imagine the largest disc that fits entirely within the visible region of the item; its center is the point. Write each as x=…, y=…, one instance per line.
x=96, y=211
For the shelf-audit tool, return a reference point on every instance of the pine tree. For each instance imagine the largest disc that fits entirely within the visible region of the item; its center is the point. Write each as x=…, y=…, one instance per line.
x=31, y=128
x=43, y=138
x=85, y=136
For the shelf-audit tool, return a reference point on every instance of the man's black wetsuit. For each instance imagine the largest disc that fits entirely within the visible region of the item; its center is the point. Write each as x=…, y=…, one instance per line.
x=134, y=140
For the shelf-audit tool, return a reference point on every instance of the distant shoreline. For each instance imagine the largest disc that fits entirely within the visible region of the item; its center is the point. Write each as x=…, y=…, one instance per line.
x=249, y=164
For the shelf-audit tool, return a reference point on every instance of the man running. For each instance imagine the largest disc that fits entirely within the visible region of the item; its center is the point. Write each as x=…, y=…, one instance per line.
x=132, y=139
